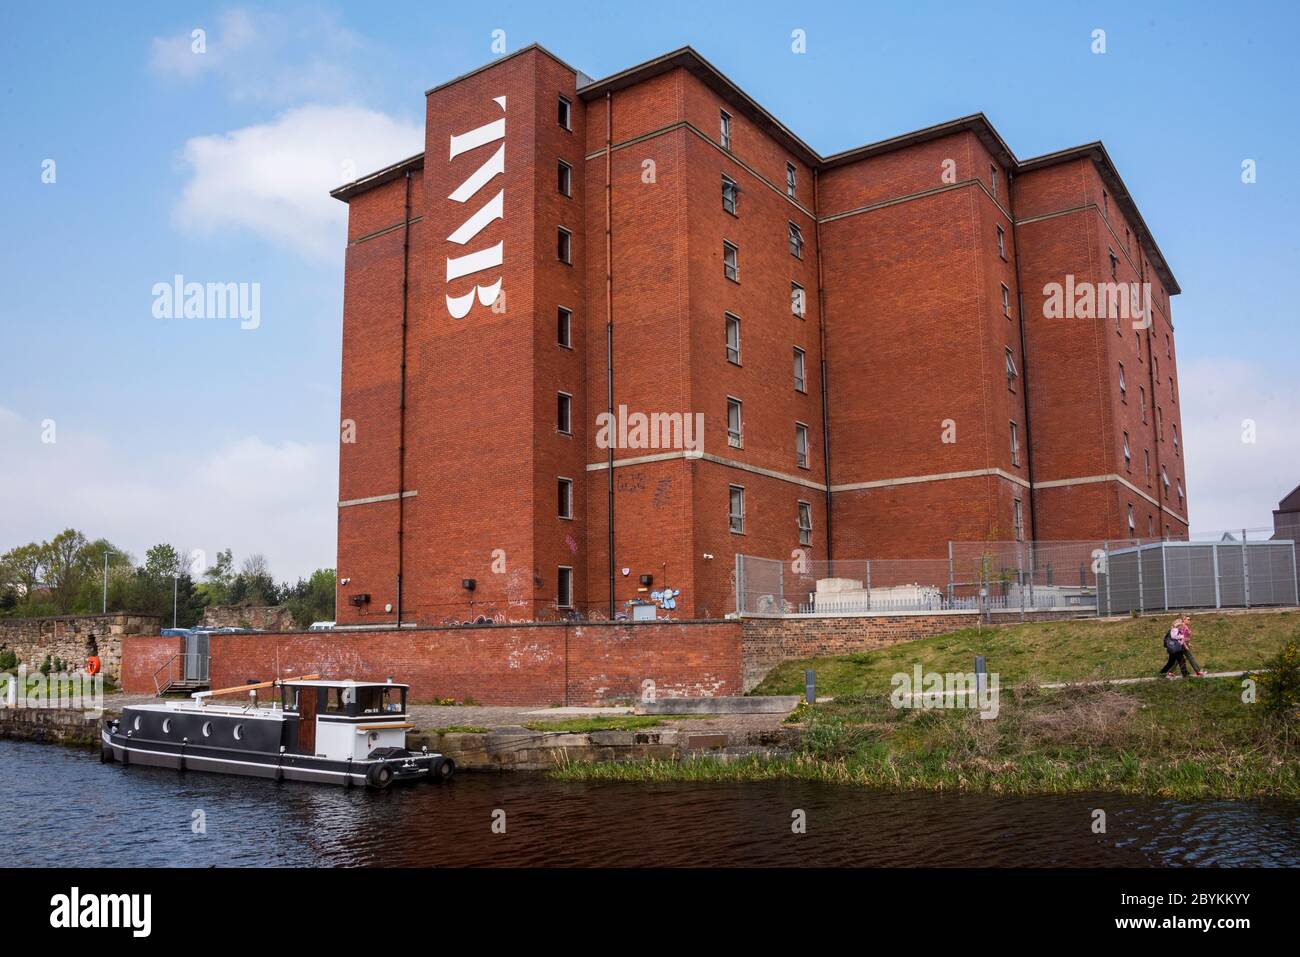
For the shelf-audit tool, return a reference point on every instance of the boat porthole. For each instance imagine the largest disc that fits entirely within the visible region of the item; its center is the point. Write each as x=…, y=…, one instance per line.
x=136, y=723
x=167, y=725
x=239, y=732
x=207, y=729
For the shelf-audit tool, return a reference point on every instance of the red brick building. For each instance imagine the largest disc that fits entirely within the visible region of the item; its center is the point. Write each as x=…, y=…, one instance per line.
x=886, y=348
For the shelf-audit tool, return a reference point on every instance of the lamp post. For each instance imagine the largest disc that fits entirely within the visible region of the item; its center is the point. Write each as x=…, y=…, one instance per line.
x=106, y=551
x=175, y=586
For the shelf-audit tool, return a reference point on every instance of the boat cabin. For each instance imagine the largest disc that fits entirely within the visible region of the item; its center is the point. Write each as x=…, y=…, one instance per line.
x=345, y=719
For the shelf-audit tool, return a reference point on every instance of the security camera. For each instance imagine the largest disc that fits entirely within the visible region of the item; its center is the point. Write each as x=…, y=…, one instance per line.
x=708, y=557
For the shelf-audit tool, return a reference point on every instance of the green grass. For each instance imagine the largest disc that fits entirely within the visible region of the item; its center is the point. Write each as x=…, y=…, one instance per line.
x=1188, y=740
x=1047, y=651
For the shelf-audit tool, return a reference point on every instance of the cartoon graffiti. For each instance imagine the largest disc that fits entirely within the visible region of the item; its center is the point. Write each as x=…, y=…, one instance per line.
x=667, y=598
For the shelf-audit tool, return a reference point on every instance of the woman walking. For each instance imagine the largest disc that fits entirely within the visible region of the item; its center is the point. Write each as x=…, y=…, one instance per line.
x=1177, y=653
x=1185, y=636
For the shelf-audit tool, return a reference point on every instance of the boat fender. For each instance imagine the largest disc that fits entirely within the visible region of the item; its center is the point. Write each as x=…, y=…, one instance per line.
x=379, y=776
x=184, y=743
x=279, y=765
x=348, y=779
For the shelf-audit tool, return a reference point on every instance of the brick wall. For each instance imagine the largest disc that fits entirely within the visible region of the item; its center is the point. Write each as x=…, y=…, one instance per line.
x=540, y=664
x=142, y=656
x=769, y=641
x=73, y=638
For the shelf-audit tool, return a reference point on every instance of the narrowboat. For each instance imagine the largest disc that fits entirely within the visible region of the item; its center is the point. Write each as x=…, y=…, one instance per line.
x=332, y=732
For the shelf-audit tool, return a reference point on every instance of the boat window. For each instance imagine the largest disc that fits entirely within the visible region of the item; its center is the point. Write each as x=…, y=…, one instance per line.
x=239, y=732
x=290, y=702
x=136, y=723
x=381, y=700
x=207, y=729
x=167, y=725
x=335, y=702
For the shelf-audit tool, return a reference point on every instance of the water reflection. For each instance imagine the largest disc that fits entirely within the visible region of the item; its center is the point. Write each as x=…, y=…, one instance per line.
x=120, y=816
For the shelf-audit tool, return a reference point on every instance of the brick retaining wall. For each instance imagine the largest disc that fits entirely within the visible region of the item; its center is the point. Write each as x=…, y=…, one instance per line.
x=542, y=664
x=142, y=656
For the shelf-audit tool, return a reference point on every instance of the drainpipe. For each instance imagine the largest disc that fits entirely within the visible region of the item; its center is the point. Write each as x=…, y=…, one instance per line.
x=401, y=401
x=1024, y=359
x=609, y=336
x=821, y=332
x=1151, y=381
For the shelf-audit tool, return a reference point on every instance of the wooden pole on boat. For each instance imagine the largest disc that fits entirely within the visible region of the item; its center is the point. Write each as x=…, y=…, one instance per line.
x=253, y=687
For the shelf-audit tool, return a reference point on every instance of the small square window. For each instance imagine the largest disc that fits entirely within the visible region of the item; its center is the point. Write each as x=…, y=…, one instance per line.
x=564, y=113
x=724, y=129
x=564, y=498
x=735, y=435
x=733, y=339
x=564, y=327
x=564, y=246
x=730, y=195
x=564, y=413
x=736, y=509
x=789, y=180
x=796, y=241
x=800, y=378
x=798, y=301
x=564, y=587
x=805, y=523
x=564, y=178
x=1002, y=242
x=731, y=262
x=801, y=445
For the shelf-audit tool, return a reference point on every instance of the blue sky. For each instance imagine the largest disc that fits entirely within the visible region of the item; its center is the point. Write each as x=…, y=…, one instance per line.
x=215, y=166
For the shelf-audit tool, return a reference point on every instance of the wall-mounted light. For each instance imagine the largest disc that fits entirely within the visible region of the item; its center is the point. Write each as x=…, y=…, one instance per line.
x=647, y=580
x=359, y=600
x=468, y=584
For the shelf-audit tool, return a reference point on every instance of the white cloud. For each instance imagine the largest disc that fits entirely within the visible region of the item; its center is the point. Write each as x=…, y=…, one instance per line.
x=276, y=57
x=249, y=495
x=273, y=179
x=1231, y=483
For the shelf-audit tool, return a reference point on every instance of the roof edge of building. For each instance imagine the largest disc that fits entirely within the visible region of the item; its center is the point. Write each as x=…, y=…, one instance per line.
x=502, y=59
x=378, y=178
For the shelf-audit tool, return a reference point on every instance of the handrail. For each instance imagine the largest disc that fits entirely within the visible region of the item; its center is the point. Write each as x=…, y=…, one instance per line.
x=173, y=677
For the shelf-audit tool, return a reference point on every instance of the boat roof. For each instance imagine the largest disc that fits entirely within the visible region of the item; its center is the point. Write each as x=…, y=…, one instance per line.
x=341, y=683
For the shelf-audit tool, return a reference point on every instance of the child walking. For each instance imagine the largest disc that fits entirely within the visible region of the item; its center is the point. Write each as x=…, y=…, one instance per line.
x=1185, y=635
x=1177, y=652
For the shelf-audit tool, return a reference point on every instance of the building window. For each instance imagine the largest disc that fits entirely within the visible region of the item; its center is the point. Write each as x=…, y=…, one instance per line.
x=1142, y=402
x=1169, y=353
x=564, y=501
x=1015, y=444
x=564, y=327
x=993, y=179
x=1105, y=204
x=1011, y=371
x=1132, y=525
x=1164, y=479
x=1146, y=463
x=796, y=241
x=1002, y=242
x=798, y=301
x=800, y=362
x=736, y=509
x=1006, y=301
x=1019, y=518
x=1151, y=527
x=731, y=262
x=735, y=436
x=1128, y=453
x=1173, y=396
x=1180, y=493
x=805, y=523
x=1137, y=342
x=801, y=445
x=789, y=180
x=1175, y=431
x=1123, y=385
x=564, y=587
x=564, y=178
x=1114, y=264
x=724, y=129
x=564, y=413
x=730, y=194
x=564, y=113
x=564, y=246
x=733, y=339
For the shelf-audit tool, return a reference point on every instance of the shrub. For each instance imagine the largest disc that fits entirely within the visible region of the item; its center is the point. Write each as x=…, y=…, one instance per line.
x=1279, y=683
x=8, y=660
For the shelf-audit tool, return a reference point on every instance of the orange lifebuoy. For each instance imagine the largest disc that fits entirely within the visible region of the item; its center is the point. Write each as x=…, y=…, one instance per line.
x=92, y=665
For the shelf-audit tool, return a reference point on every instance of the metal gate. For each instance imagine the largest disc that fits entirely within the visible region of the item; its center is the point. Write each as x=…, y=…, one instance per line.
x=197, y=644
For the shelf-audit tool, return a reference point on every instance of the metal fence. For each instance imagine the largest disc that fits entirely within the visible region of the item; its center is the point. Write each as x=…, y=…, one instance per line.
x=1021, y=578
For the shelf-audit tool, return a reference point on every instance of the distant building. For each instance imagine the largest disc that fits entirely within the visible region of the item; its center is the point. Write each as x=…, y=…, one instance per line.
x=1286, y=517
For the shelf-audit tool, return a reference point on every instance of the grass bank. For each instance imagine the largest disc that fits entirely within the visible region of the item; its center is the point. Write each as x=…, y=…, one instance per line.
x=1185, y=739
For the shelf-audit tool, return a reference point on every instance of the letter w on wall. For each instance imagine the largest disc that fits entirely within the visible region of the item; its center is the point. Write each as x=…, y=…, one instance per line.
x=494, y=208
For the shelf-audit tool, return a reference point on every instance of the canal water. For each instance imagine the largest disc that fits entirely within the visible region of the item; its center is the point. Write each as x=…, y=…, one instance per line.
x=62, y=807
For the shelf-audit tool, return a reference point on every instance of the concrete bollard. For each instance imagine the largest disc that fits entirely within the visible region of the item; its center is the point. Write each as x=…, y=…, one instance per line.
x=810, y=686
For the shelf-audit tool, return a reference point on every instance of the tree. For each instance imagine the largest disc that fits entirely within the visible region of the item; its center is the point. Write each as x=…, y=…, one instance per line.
x=218, y=579
x=312, y=600
x=22, y=567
